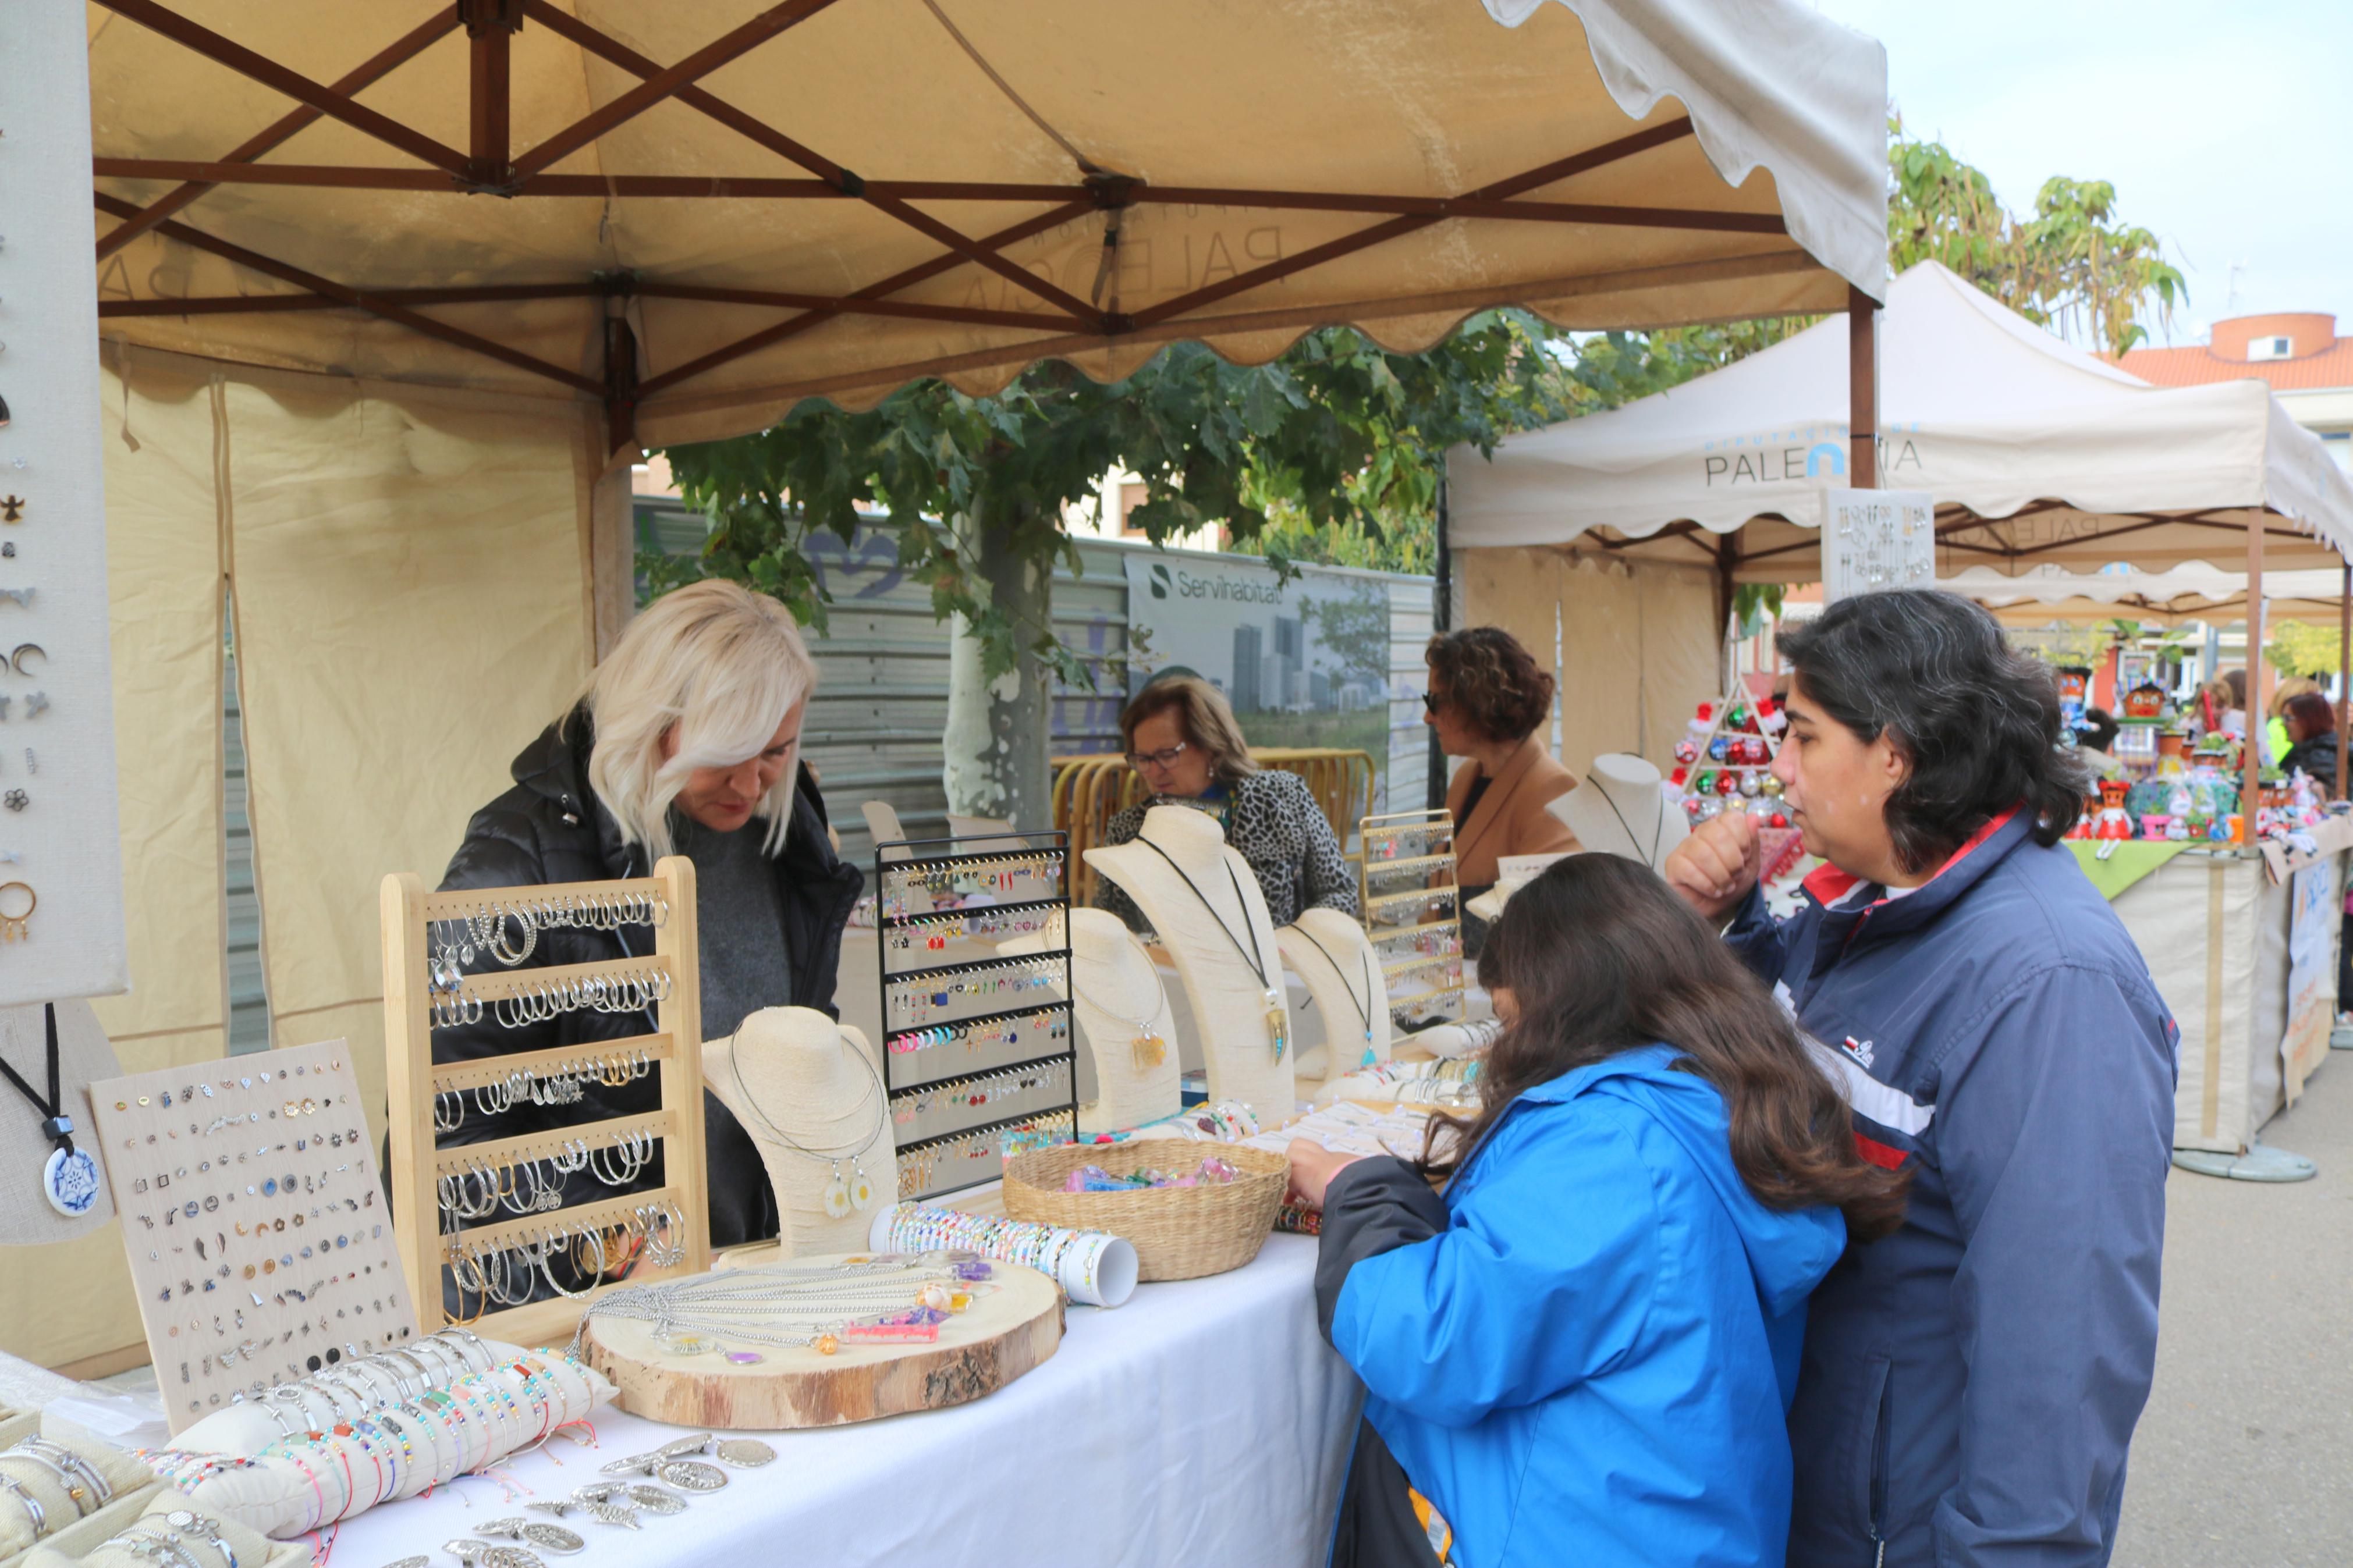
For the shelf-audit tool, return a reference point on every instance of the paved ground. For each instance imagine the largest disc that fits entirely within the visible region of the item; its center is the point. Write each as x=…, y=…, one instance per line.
x=2244, y=1458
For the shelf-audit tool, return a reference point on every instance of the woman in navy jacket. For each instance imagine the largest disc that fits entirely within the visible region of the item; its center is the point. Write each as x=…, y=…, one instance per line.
x=1583, y=1351
x=1970, y=1384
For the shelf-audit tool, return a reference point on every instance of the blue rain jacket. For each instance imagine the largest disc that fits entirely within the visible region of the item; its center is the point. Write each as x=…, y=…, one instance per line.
x=1971, y=1382
x=1591, y=1364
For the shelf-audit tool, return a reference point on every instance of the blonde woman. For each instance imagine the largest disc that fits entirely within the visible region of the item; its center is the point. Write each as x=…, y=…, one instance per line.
x=686, y=740
x=1184, y=743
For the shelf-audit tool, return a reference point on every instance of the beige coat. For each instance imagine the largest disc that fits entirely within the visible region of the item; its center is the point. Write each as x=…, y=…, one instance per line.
x=1510, y=818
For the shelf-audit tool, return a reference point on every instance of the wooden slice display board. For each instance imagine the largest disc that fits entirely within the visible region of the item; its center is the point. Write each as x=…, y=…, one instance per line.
x=1006, y=1332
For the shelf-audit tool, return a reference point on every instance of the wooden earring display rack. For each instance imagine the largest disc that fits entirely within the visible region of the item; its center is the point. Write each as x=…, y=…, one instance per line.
x=1413, y=913
x=415, y=1080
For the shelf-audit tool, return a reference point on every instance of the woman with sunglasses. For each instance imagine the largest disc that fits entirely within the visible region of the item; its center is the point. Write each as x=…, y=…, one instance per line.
x=1184, y=743
x=1487, y=701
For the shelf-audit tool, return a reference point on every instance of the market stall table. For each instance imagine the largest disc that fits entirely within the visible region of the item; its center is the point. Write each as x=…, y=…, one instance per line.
x=1206, y=1421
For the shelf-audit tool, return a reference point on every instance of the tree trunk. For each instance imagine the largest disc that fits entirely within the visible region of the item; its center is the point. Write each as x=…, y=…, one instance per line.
x=997, y=740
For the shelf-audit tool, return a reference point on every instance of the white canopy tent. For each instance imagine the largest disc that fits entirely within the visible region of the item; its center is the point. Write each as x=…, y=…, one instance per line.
x=2182, y=596
x=2037, y=454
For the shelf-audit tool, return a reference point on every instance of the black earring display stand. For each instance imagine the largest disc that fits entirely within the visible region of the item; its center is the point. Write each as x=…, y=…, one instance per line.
x=926, y=888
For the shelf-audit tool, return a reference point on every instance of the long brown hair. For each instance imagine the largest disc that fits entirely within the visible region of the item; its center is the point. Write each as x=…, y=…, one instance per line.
x=1601, y=957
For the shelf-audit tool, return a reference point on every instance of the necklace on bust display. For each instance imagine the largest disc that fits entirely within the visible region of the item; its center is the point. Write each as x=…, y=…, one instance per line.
x=1278, y=1019
x=1658, y=829
x=1147, y=1045
x=841, y=1196
x=1364, y=1004
x=69, y=1180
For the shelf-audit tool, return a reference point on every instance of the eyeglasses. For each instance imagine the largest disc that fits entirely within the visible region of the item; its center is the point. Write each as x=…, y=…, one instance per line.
x=1430, y=701
x=1139, y=760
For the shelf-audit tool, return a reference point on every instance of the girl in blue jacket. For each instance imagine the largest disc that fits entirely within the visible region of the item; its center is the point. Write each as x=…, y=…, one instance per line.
x=1583, y=1351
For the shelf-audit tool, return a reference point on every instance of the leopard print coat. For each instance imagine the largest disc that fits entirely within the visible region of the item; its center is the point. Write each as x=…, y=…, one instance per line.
x=1273, y=818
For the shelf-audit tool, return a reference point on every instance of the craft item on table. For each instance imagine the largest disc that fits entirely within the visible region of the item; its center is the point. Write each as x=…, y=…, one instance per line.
x=511, y=1232
x=941, y=882
x=386, y=1427
x=172, y=1535
x=820, y=1077
x=1094, y=1267
x=1215, y=1121
x=1007, y=1018
x=49, y=1485
x=51, y=1094
x=821, y=1340
x=1450, y=1083
x=1410, y=841
x=1412, y=901
x=1095, y=1179
x=1344, y=974
x=1125, y=1015
x=2113, y=821
x=1203, y=902
x=1459, y=1039
x=253, y=1221
x=1278, y=1015
x=1180, y=1232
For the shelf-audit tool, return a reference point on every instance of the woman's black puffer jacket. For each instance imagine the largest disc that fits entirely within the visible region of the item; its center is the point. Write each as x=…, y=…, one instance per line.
x=550, y=827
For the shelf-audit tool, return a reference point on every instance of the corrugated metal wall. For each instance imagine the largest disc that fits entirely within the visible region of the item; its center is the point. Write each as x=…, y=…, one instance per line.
x=877, y=718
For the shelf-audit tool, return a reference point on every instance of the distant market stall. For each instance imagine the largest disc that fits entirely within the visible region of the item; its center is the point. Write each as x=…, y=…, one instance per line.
x=1602, y=537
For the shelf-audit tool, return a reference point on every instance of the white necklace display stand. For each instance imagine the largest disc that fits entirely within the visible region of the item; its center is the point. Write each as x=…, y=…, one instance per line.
x=84, y=1057
x=1621, y=809
x=1123, y=1013
x=1332, y=954
x=794, y=1077
x=1227, y=992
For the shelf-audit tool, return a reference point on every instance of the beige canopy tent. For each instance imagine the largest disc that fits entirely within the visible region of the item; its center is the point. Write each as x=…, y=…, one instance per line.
x=388, y=291
x=698, y=213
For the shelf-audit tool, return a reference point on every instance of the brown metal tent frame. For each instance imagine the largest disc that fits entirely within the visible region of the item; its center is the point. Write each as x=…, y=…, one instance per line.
x=490, y=165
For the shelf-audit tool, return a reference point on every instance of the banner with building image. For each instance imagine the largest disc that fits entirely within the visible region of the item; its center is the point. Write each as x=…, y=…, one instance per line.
x=1305, y=662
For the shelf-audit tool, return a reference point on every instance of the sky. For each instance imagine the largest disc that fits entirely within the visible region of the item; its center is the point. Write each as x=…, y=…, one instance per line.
x=2227, y=128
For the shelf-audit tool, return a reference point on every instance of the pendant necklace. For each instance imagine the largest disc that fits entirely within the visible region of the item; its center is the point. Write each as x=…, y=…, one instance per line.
x=1365, y=1004
x=1147, y=1045
x=842, y=1196
x=1278, y=1018
x=69, y=1181
x=1658, y=830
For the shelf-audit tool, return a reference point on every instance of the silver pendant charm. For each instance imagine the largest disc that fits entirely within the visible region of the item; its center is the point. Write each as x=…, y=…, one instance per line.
x=655, y=1499
x=688, y=1476
x=553, y=1538
x=745, y=1453
x=70, y=1182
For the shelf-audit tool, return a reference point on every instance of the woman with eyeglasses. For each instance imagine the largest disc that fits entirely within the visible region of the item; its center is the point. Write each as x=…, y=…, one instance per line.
x=1487, y=698
x=1184, y=743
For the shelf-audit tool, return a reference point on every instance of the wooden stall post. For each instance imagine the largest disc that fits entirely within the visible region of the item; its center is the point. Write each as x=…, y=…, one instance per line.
x=408, y=1093
x=2344, y=678
x=2250, y=798
x=684, y=1170
x=1862, y=389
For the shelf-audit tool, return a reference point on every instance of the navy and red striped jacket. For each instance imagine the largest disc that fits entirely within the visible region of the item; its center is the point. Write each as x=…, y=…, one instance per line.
x=1970, y=1384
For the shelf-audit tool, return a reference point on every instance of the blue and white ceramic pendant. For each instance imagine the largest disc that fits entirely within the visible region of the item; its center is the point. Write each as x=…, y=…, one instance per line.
x=69, y=1181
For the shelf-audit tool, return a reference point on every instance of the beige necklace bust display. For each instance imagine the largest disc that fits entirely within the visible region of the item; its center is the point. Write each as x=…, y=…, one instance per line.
x=1621, y=809
x=1331, y=951
x=1130, y=1030
x=29, y=1161
x=1203, y=902
x=808, y=1094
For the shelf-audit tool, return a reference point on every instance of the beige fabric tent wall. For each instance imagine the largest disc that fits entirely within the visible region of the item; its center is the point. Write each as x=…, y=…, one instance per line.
x=407, y=568
x=1632, y=645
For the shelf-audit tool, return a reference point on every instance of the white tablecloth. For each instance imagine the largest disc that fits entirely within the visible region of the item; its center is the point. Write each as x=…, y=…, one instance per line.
x=1205, y=1422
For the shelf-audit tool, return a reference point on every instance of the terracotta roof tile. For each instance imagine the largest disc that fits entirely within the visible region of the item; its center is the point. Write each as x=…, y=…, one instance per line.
x=2196, y=366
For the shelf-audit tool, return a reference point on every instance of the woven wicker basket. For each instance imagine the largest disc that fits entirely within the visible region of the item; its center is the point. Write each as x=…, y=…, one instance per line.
x=1179, y=1233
